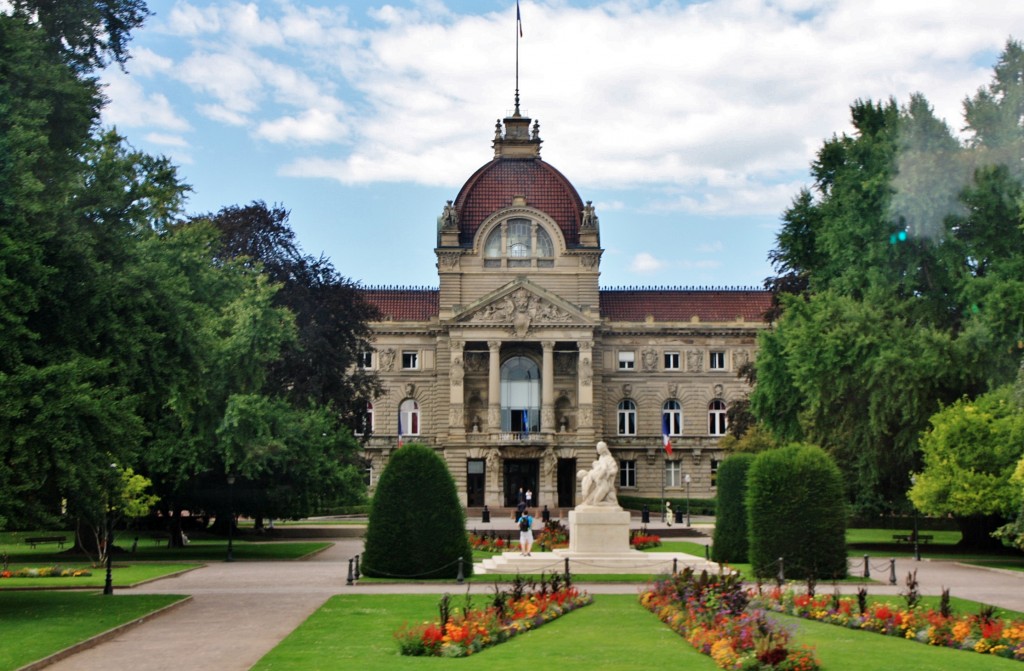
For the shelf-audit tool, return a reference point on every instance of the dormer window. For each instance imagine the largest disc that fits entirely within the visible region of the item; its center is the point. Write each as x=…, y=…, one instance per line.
x=519, y=243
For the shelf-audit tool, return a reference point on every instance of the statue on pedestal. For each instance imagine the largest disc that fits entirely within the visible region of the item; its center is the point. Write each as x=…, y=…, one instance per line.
x=598, y=484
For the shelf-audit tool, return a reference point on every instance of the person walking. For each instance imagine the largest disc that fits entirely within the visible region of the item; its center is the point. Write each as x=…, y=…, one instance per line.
x=529, y=498
x=525, y=533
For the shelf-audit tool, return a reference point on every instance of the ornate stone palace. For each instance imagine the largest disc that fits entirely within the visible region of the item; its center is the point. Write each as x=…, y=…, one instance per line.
x=518, y=363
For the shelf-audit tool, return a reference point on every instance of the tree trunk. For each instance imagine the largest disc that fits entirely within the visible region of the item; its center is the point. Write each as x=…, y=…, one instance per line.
x=977, y=531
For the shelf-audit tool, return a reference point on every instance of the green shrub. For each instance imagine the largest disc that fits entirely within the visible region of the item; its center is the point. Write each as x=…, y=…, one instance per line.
x=795, y=510
x=730, y=537
x=417, y=526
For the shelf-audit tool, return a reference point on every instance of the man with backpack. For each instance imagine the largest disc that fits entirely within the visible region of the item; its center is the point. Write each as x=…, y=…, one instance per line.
x=525, y=533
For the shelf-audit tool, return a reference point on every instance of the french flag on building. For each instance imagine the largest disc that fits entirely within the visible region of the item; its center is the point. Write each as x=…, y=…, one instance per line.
x=399, y=429
x=665, y=440
x=519, y=19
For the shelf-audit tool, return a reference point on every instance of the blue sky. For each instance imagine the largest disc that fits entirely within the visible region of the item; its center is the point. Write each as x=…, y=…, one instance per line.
x=690, y=125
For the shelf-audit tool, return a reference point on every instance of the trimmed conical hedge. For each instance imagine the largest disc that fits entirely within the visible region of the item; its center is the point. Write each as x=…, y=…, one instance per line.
x=417, y=526
x=730, y=537
x=796, y=510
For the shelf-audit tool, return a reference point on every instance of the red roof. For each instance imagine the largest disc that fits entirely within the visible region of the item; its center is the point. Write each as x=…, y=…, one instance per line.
x=676, y=305
x=404, y=303
x=495, y=183
x=626, y=305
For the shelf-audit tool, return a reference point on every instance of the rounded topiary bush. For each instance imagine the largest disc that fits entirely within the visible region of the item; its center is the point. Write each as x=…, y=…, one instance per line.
x=417, y=525
x=730, y=537
x=796, y=510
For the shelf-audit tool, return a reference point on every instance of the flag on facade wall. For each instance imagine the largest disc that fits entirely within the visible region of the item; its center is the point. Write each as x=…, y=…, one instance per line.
x=399, y=428
x=526, y=422
x=665, y=440
x=519, y=19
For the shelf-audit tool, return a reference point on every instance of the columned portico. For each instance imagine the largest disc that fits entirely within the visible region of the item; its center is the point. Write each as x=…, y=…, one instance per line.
x=547, y=387
x=494, y=386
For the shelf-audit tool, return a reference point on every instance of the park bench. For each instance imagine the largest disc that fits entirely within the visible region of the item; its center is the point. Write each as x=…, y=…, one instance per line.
x=35, y=540
x=924, y=539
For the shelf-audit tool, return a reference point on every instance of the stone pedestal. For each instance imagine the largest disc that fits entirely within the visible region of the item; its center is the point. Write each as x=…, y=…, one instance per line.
x=598, y=530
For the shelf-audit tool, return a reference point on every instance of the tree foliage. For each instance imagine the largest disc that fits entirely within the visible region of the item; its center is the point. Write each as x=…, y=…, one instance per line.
x=320, y=366
x=130, y=336
x=899, y=281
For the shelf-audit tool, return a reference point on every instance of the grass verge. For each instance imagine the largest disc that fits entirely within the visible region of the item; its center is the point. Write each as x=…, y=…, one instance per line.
x=38, y=624
x=122, y=576
x=615, y=633
x=198, y=550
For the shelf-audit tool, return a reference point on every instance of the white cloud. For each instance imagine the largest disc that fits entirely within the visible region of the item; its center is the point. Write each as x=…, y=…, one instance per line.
x=645, y=262
x=131, y=107
x=166, y=140
x=310, y=126
x=718, y=105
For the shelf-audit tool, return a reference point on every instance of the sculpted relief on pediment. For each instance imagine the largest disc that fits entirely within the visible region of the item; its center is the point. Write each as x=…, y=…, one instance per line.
x=521, y=309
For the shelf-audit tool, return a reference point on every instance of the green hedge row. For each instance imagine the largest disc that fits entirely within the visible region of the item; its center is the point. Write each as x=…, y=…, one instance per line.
x=730, y=541
x=417, y=527
x=697, y=506
x=796, y=510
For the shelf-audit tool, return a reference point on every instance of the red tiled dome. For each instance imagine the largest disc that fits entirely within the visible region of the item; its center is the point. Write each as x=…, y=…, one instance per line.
x=493, y=186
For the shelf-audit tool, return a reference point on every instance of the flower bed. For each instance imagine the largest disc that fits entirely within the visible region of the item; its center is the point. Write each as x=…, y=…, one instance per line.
x=641, y=539
x=462, y=632
x=712, y=614
x=980, y=632
x=45, y=572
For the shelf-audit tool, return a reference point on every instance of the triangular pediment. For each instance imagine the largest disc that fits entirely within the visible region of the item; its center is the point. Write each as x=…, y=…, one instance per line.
x=522, y=305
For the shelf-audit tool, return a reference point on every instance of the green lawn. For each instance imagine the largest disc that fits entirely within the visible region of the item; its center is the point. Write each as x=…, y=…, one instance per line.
x=198, y=550
x=122, y=576
x=38, y=624
x=356, y=631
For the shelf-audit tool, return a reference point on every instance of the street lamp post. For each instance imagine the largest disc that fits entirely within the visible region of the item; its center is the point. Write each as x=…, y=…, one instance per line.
x=687, y=481
x=231, y=517
x=917, y=546
x=108, y=584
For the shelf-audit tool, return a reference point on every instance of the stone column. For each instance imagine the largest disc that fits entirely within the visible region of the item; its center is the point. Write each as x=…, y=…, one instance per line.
x=547, y=388
x=457, y=405
x=494, y=387
x=585, y=388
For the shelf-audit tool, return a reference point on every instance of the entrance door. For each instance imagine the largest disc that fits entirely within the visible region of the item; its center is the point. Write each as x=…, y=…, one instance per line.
x=475, y=483
x=566, y=483
x=522, y=473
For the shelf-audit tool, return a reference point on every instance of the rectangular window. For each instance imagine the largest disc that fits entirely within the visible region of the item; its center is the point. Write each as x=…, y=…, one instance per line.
x=672, y=471
x=627, y=473
x=410, y=360
x=671, y=360
x=366, y=359
x=627, y=360
x=717, y=361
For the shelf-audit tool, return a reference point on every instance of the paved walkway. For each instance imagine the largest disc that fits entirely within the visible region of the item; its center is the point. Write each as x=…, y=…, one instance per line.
x=239, y=611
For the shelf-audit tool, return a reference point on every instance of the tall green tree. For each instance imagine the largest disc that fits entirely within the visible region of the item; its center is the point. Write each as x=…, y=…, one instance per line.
x=320, y=367
x=899, y=284
x=970, y=452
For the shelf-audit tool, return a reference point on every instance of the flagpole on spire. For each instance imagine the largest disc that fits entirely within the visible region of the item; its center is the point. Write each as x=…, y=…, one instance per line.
x=519, y=35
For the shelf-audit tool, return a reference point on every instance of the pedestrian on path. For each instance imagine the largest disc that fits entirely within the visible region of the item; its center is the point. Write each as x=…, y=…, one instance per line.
x=525, y=533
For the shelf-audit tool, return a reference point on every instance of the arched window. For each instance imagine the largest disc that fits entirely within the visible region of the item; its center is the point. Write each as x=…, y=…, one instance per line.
x=520, y=395
x=717, y=420
x=518, y=243
x=365, y=425
x=627, y=418
x=409, y=417
x=672, y=418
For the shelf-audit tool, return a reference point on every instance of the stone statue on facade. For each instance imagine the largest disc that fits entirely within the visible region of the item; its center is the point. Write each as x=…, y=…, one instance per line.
x=449, y=219
x=598, y=484
x=588, y=218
